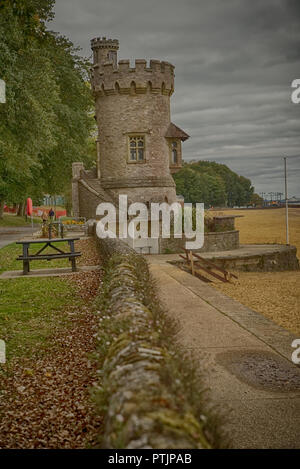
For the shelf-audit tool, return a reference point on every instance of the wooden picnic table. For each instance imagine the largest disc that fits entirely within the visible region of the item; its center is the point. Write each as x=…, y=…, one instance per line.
x=59, y=254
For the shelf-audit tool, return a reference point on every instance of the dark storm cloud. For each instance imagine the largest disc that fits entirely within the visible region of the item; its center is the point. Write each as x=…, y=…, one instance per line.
x=235, y=61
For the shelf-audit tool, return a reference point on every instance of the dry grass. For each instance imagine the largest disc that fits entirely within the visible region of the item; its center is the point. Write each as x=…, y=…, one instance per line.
x=267, y=226
x=274, y=294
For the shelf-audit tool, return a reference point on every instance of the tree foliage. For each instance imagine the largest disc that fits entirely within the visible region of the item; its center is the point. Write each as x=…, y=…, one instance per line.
x=256, y=200
x=213, y=184
x=46, y=122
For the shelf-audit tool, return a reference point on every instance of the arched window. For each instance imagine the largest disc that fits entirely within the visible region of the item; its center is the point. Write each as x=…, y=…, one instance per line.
x=136, y=148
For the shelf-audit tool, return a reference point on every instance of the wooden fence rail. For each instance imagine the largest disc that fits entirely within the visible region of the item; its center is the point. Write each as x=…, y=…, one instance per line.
x=198, y=265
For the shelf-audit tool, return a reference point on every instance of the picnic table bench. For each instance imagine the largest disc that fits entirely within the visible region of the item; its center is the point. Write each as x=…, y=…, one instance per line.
x=59, y=254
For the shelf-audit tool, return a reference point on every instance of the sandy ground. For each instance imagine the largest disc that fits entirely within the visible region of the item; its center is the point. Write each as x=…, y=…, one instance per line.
x=266, y=226
x=274, y=294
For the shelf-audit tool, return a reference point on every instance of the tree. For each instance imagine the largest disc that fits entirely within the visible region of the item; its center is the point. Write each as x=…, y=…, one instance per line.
x=46, y=122
x=256, y=200
x=200, y=187
x=212, y=183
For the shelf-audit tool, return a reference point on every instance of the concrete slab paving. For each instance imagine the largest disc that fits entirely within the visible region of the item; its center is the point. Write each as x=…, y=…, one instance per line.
x=10, y=234
x=244, y=359
x=270, y=422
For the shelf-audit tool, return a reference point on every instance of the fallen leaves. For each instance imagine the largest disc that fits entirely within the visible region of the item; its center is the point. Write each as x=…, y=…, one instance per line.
x=44, y=399
x=89, y=252
x=87, y=283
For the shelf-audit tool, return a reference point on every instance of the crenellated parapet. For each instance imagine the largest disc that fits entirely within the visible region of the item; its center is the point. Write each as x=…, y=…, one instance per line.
x=103, y=43
x=109, y=78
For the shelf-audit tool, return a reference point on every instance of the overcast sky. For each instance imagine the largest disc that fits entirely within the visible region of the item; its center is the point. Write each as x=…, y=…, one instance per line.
x=234, y=64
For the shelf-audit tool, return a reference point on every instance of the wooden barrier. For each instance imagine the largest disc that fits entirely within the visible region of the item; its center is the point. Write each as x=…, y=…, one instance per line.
x=197, y=265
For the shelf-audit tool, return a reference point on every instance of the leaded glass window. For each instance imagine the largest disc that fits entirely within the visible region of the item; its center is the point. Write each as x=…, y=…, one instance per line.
x=137, y=148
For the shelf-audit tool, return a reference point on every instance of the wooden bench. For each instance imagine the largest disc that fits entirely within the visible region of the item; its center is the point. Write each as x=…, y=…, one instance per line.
x=59, y=254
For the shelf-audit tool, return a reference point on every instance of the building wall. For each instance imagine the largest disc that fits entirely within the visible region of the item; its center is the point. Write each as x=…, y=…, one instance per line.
x=118, y=116
x=88, y=202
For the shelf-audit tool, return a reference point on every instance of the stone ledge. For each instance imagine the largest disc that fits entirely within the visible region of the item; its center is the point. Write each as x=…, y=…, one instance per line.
x=139, y=183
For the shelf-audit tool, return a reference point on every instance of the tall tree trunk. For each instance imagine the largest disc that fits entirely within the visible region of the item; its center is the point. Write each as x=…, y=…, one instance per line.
x=68, y=202
x=21, y=209
x=1, y=209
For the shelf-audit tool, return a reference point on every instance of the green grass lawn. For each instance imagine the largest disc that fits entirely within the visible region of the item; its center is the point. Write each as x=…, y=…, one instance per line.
x=14, y=220
x=9, y=253
x=32, y=309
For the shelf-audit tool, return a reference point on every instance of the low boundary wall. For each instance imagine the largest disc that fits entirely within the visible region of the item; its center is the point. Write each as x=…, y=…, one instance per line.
x=148, y=401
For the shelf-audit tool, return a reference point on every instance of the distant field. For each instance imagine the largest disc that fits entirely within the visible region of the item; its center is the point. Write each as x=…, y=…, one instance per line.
x=267, y=226
x=274, y=294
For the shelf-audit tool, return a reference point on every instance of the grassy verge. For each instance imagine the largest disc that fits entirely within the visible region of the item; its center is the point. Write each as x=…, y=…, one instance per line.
x=14, y=220
x=31, y=309
x=30, y=312
x=49, y=327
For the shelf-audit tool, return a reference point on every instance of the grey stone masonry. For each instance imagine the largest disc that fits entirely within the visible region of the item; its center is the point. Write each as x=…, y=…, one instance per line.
x=133, y=101
x=137, y=145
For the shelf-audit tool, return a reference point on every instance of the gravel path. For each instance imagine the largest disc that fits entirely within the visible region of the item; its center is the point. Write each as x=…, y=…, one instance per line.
x=276, y=295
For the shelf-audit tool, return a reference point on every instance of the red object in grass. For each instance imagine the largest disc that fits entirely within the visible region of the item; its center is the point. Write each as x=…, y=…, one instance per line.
x=29, y=207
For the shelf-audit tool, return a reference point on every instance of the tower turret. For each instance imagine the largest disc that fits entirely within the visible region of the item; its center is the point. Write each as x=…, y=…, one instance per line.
x=136, y=148
x=104, y=50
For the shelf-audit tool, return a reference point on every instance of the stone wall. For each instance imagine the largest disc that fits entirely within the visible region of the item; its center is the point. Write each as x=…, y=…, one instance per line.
x=221, y=241
x=148, y=115
x=87, y=192
x=217, y=241
x=279, y=261
x=141, y=388
x=88, y=202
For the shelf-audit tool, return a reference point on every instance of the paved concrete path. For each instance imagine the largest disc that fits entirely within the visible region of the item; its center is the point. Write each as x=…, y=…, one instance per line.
x=10, y=234
x=244, y=358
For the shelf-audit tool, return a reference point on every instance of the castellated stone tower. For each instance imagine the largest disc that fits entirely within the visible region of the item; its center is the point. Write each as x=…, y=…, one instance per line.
x=138, y=146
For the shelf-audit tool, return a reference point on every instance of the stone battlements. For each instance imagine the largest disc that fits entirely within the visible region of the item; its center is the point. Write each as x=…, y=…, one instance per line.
x=103, y=43
x=158, y=77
